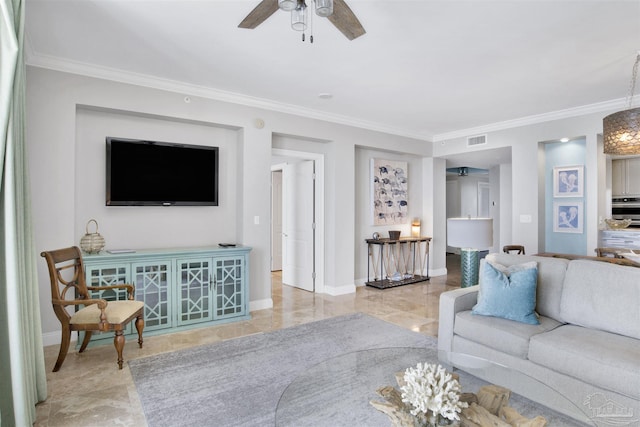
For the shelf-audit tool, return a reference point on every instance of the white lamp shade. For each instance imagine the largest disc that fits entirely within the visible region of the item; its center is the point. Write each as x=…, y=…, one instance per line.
x=476, y=233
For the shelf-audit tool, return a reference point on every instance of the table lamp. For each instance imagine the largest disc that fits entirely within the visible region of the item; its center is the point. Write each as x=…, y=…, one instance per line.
x=415, y=227
x=470, y=235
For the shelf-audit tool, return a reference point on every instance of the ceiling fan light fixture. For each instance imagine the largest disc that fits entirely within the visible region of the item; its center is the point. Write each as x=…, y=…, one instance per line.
x=339, y=15
x=299, y=17
x=287, y=5
x=324, y=8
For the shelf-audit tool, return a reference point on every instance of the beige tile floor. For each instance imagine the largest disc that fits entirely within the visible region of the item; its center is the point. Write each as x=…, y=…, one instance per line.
x=89, y=390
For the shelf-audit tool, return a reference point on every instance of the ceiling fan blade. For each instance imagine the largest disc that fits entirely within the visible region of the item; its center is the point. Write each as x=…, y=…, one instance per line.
x=345, y=20
x=262, y=11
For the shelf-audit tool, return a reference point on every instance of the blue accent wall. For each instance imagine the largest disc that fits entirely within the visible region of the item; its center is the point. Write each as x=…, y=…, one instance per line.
x=560, y=154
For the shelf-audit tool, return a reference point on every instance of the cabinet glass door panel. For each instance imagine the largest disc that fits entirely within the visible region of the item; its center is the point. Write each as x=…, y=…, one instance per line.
x=229, y=298
x=107, y=275
x=194, y=291
x=152, y=287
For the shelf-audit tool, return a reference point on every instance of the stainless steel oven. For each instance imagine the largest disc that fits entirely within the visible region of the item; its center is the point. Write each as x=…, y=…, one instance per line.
x=626, y=207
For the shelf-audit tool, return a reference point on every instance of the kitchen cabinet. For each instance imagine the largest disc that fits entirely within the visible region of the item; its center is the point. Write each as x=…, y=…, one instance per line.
x=621, y=239
x=625, y=177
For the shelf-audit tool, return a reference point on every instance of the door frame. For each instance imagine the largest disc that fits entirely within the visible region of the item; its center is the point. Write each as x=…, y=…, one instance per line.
x=319, y=209
x=275, y=246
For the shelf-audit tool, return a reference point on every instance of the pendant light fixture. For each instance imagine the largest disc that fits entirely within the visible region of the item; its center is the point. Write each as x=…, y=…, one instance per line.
x=299, y=13
x=622, y=129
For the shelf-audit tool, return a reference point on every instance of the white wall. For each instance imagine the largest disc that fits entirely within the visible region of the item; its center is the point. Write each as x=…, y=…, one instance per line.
x=364, y=212
x=466, y=198
x=435, y=199
x=155, y=226
x=505, y=206
x=524, y=141
x=69, y=115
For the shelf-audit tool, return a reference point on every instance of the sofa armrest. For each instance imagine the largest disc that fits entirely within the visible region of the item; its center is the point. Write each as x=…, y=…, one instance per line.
x=452, y=302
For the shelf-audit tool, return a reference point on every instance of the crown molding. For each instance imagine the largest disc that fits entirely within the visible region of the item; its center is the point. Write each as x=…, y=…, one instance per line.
x=75, y=67
x=535, y=119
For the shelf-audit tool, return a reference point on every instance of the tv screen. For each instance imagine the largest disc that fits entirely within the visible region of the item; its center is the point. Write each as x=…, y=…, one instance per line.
x=154, y=173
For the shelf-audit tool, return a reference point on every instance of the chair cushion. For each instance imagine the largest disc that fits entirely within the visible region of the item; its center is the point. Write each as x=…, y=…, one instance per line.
x=508, y=292
x=503, y=335
x=596, y=357
x=116, y=311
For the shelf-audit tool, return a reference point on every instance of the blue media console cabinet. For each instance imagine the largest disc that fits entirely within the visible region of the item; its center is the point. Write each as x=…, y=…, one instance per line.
x=181, y=288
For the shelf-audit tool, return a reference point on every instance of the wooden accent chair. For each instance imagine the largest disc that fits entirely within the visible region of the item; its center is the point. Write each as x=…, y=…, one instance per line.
x=512, y=248
x=90, y=314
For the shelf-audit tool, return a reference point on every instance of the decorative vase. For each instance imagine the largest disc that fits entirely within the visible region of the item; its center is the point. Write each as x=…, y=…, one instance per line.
x=394, y=235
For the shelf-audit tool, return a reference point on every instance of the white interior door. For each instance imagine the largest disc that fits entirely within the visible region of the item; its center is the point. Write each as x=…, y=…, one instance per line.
x=298, y=225
x=276, y=220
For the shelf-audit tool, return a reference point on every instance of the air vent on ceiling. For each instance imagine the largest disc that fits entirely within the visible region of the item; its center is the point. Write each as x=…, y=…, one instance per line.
x=472, y=141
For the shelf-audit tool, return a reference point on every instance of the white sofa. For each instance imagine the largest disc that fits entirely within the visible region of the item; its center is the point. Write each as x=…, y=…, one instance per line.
x=586, y=347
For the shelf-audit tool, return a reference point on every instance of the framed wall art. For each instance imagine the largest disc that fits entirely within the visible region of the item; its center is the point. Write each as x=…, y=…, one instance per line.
x=568, y=217
x=389, y=188
x=568, y=181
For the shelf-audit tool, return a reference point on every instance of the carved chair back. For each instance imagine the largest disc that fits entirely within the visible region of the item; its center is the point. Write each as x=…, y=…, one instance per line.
x=66, y=273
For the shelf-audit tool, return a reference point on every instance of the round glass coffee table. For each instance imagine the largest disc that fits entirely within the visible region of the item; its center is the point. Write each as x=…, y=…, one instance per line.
x=337, y=392
x=469, y=366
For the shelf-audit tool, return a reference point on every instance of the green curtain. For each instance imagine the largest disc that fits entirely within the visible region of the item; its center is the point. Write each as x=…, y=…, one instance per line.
x=22, y=372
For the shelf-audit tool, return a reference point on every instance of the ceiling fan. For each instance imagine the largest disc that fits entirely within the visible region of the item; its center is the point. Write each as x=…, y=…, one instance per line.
x=342, y=17
x=466, y=171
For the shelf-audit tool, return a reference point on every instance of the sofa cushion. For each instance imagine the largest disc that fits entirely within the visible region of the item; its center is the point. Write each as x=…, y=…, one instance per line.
x=501, y=334
x=602, y=296
x=508, y=292
x=551, y=273
x=601, y=358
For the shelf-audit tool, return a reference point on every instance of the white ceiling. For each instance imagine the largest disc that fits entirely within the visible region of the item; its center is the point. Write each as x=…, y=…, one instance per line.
x=426, y=69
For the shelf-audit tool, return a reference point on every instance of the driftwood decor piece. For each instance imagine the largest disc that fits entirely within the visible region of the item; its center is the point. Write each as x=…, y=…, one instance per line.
x=488, y=408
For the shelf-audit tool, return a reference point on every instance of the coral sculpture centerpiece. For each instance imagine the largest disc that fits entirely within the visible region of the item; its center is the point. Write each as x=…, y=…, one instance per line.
x=433, y=393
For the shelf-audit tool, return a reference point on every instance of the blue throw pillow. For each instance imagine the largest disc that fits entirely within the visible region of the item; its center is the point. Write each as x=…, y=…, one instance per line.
x=508, y=292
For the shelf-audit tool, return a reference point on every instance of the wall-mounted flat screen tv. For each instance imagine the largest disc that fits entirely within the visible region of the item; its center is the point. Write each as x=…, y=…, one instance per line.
x=153, y=173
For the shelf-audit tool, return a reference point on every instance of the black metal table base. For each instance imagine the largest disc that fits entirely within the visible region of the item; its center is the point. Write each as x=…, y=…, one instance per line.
x=386, y=283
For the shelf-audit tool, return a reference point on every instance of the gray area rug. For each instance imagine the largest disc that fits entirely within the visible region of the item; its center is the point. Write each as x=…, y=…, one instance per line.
x=295, y=376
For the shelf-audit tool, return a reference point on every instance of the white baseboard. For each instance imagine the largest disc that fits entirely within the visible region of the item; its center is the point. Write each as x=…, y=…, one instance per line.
x=260, y=304
x=438, y=272
x=340, y=290
x=53, y=338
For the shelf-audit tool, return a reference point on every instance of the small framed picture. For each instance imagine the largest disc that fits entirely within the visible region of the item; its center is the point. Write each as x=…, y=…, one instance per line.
x=568, y=181
x=567, y=217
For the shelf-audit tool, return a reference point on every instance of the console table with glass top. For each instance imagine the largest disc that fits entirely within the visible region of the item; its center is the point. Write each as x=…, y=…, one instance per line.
x=397, y=262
